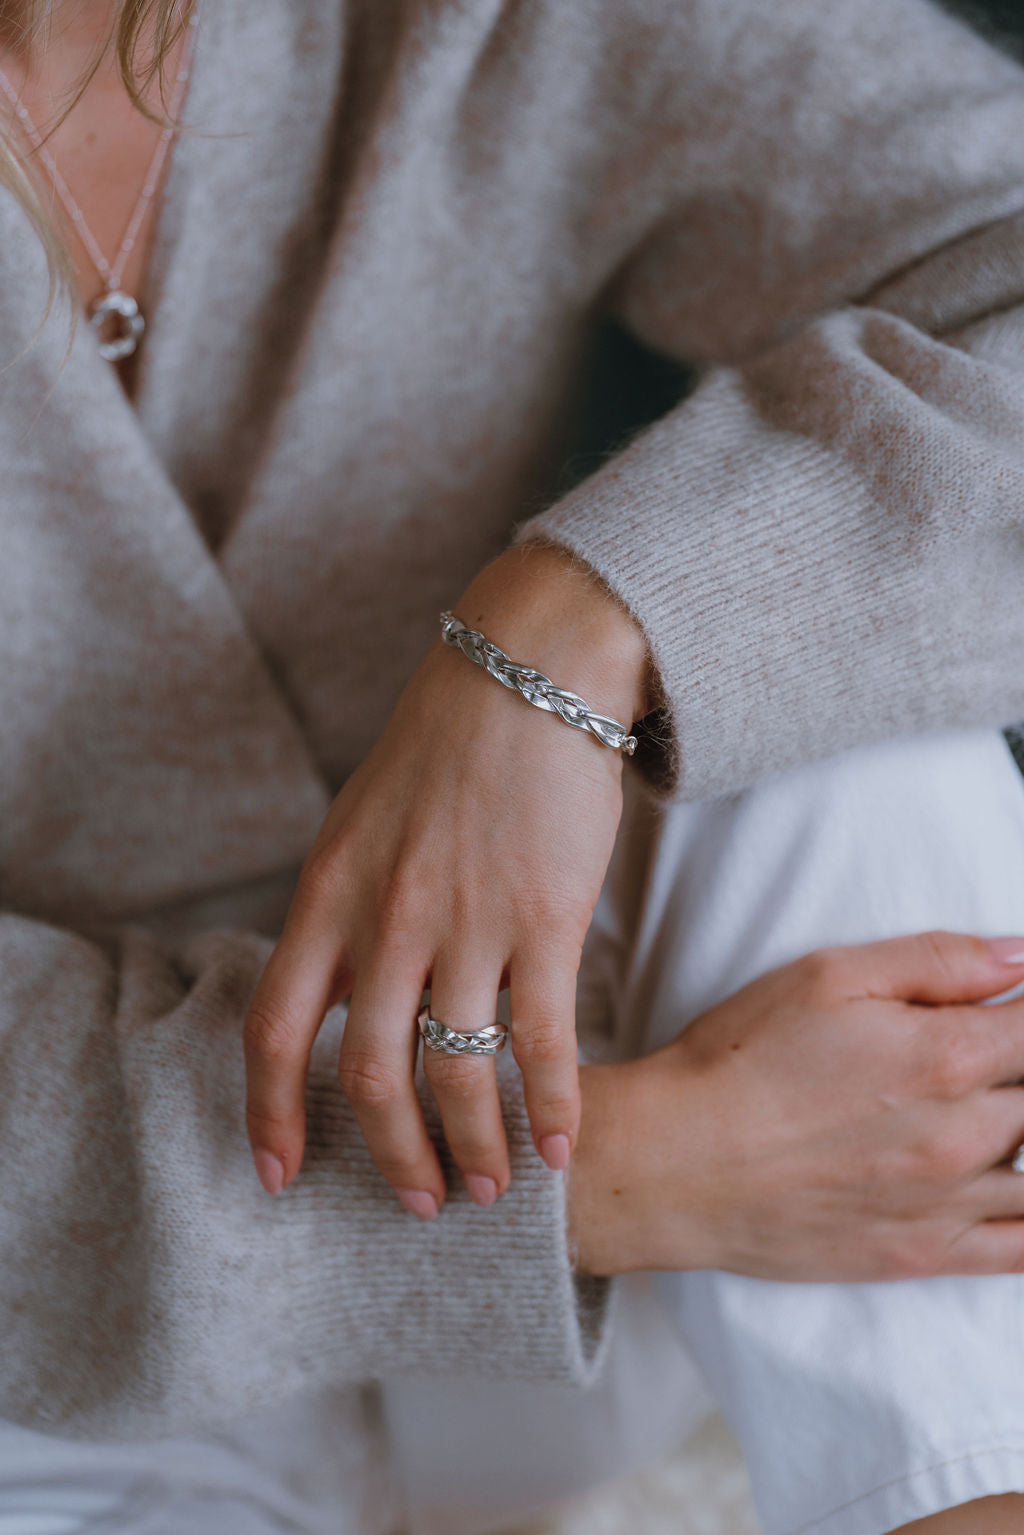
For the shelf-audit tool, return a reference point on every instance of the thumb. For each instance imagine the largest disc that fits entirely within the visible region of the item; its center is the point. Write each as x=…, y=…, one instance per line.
x=938, y=967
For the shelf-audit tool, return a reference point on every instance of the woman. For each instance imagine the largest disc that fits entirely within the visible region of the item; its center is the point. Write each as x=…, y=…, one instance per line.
x=364, y=304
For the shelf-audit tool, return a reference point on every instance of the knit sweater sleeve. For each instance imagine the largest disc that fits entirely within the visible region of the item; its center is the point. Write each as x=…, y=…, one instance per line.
x=824, y=542
x=151, y=1287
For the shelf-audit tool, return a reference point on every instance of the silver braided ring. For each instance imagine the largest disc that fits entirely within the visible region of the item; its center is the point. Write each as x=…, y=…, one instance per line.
x=1018, y=1160
x=486, y=1041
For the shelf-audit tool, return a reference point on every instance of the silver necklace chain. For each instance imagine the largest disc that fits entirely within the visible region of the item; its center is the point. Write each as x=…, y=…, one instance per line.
x=115, y=302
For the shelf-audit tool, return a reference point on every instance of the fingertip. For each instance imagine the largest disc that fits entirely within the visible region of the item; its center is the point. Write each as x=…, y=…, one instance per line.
x=419, y=1202
x=483, y=1191
x=933, y=968
x=556, y=1151
x=269, y=1170
x=1008, y=951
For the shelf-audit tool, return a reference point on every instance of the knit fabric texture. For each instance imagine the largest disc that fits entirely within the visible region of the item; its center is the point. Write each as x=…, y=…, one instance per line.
x=380, y=253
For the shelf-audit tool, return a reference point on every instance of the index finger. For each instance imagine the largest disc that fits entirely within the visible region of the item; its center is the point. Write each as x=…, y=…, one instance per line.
x=283, y=1019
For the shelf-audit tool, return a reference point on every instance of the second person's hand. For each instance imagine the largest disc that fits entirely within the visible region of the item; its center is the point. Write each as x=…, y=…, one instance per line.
x=849, y=1116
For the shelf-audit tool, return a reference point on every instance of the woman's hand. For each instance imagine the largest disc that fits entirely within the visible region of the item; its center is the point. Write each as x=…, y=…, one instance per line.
x=467, y=853
x=831, y=1121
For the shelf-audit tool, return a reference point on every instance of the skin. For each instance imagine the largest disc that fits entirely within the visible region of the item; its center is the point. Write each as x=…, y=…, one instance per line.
x=988, y=1516
x=845, y=1117
x=851, y=1173
x=441, y=862
x=103, y=147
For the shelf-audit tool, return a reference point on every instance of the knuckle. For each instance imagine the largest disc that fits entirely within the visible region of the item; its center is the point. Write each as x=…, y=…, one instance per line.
x=476, y=1153
x=822, y=971
x=918, y=1042
x=555, y=924
x=946, y=954
x=950, y=1077
x=975, y=1260
x=367, y=1081
x=952, y=1067
x=895, y=1259
x=566, y=928
x=324, y=877
x=942, y=1163
x=935, y=944
x=268, y=1123
x=456, y=1078
x=270, y=1034
x=544, y=1042
x=942, y=949
x=559, y=1112
x=400, y=1172
x=962, y=1254
x=915, y=1257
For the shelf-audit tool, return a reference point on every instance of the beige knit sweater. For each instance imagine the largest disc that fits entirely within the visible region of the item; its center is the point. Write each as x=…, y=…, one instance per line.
x=378, y=260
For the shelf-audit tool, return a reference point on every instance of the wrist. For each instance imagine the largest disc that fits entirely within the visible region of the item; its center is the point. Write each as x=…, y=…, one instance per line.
x=595, y=1244
x=627, y=1207
x=547, y=611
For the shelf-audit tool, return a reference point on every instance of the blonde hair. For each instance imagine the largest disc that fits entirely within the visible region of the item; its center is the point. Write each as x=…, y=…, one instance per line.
x=142, y=36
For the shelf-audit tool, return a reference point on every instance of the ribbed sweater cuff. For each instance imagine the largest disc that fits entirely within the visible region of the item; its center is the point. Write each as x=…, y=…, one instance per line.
x=477, y=1292
x=784, y=618
x=156, y=1289
x=349, y=1287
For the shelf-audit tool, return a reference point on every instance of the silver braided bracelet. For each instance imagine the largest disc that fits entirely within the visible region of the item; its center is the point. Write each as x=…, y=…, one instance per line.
x=535, y=687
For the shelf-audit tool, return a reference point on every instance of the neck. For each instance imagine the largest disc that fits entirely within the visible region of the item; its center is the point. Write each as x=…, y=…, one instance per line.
x=76, y=30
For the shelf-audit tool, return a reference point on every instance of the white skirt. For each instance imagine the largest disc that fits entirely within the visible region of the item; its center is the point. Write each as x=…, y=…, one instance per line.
x=859, y=1407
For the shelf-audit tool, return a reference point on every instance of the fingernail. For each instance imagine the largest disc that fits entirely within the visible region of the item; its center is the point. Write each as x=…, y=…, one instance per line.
x=419, y=1203
x=269, y=1170
x=481, y=1190
x=556, y=1151
x=1009, y=950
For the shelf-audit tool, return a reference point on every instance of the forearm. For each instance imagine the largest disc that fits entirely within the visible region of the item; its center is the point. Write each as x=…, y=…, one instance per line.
x=822, y=548
x=822, y=545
